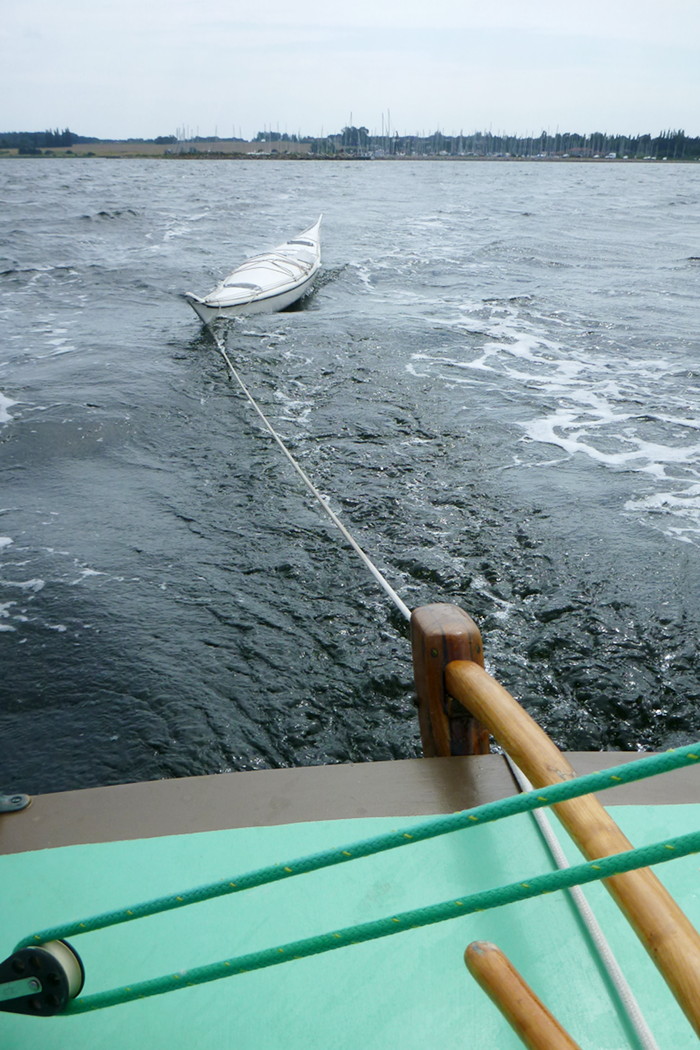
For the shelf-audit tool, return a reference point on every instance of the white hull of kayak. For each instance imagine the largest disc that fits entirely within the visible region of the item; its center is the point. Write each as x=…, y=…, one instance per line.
x=265, y=283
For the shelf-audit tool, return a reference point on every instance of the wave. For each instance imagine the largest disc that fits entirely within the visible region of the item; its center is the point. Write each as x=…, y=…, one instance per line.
x=6, y=404
x=104, y=214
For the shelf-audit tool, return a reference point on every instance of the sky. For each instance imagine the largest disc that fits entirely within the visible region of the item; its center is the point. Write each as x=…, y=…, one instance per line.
x=141, y=68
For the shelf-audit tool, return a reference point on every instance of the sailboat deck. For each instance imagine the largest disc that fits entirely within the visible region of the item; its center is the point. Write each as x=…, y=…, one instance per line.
x=121, y=845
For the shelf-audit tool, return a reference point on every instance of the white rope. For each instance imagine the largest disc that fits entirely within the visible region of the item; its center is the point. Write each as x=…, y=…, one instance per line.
x=630, y=1005
x=400, y=605
x=618, y=980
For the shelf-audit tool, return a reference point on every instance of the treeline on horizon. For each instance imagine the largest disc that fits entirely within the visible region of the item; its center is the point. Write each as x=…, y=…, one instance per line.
x=354, y=141
x=359, y=141
x=34, y=141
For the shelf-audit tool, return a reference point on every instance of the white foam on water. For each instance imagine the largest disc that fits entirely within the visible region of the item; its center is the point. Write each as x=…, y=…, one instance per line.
x=364, y=273
x=177, y=229
x=682, y=507
x=292, y=410
x=34, y=586
x=5, y=615
x=6, y=404
x=84, y=574
x=623, y=411
x=5, y=541
x=60, y=346
x=500, y=608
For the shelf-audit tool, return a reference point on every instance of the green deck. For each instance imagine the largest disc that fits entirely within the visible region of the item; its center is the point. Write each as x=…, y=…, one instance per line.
x=410, y=991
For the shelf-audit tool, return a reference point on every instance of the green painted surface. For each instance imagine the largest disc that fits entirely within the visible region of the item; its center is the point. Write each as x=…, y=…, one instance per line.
x=411, y=991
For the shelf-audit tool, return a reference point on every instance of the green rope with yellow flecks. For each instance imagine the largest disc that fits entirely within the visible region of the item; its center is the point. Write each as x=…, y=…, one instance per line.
x=551, y=795
x=409, y=920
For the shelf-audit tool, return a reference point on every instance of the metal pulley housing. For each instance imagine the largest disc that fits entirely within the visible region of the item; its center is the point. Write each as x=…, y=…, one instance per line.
x=40, y=981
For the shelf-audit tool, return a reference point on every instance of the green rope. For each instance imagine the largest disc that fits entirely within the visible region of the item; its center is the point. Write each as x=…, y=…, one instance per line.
x=408, y=920
x=551, y=795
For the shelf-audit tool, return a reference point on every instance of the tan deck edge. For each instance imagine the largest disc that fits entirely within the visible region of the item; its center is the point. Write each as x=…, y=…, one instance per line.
x=285, y=796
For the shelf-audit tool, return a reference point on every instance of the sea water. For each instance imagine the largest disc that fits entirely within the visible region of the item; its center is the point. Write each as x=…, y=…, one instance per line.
x=496, y=385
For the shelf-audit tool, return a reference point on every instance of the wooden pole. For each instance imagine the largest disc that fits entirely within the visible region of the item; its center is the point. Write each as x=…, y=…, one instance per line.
x=664, y=930
x=523, y=1010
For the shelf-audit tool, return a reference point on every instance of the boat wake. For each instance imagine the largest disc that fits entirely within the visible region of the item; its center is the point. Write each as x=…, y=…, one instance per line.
x=572, y=393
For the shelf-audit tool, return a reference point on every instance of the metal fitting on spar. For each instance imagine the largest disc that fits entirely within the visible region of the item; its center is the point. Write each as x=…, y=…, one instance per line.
x=40, y=981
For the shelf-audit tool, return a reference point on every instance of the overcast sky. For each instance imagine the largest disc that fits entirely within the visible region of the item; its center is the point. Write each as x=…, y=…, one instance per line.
x=141, y=68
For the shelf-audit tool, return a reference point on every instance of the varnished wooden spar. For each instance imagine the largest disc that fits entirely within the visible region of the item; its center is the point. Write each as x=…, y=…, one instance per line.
x=525, y=1012
x=667, y=934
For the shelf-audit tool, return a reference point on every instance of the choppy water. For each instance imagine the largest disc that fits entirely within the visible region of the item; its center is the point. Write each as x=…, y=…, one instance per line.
x=497, y=383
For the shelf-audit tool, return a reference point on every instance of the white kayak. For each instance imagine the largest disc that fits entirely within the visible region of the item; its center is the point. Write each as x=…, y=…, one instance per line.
x=267, y=282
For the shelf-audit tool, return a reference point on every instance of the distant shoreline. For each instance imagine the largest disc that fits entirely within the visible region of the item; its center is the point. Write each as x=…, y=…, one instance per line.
x=107, y=154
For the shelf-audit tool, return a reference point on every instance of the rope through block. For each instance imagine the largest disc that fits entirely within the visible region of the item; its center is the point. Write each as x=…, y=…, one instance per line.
x=551, y=795
x=477, y=816
x=488, y=813
x=581, y=874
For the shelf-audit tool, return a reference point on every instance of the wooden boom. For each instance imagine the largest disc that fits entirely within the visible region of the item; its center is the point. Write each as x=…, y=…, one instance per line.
x=664, y=930
x=523, y=1010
